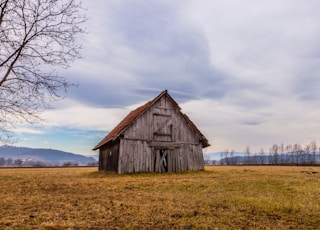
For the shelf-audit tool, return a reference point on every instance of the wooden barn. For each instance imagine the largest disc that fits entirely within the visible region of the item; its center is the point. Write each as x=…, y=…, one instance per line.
x=155, y=137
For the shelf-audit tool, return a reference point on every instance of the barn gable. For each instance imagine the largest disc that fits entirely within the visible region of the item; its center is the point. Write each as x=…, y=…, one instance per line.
x=155, y=137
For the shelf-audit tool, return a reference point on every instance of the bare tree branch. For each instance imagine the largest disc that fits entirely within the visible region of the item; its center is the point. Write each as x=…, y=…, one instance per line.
x=36, y=37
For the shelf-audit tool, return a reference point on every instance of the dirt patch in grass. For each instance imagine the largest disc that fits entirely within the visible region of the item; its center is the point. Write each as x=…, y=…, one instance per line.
x=241, y=197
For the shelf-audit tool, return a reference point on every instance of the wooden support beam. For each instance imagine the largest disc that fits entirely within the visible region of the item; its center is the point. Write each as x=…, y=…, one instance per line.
x=164, y=144
x=162, y=134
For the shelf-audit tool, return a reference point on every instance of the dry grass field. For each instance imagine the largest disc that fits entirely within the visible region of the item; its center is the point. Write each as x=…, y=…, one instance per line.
x=222, y=197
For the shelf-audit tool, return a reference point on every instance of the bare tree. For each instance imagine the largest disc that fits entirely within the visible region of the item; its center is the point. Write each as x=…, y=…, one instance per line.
x=222, y=160
x=227, y=157
x=248, y=154
x=261, y=156
x=281, y=153
x=255, y=159
x=233, y=158
x=297, y=154
x=308, y=156
x=313, y=148
x=289, y=155
x=274, y=154
x=206, y=157
x=36, y=37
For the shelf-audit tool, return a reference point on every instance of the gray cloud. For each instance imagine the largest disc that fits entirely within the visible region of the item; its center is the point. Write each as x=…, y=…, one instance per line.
x=210, y=50
x=147, y=45
x=253, y=66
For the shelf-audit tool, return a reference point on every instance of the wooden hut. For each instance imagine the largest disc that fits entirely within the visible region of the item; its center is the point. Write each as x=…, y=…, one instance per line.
x=155, y=137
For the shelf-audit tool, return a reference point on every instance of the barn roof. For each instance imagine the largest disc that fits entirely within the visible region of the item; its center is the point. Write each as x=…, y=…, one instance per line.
x=133, y=115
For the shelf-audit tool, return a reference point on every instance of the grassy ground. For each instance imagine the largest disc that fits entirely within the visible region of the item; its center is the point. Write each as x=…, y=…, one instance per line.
x=221, y=197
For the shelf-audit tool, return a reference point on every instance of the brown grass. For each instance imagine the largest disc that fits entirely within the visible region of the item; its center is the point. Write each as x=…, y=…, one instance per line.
x=222, y=197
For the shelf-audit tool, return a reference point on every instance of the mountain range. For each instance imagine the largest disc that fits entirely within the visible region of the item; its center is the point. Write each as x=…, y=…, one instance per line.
x=22, y=156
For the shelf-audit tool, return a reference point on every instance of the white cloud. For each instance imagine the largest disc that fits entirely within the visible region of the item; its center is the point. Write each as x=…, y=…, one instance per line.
x=260, y=42
x=25, y=130
x=229, y=126
x=71, y=113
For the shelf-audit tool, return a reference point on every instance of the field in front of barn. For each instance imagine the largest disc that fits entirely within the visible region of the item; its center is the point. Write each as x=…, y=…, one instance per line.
x=222, y=197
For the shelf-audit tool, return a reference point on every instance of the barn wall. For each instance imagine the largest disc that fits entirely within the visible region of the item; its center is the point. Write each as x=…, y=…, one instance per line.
x=195, y=160
x=108, y=157
x=143, y=127
x=136, y=154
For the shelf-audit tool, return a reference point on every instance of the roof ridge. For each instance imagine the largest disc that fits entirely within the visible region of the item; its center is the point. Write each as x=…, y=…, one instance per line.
x=134, y=114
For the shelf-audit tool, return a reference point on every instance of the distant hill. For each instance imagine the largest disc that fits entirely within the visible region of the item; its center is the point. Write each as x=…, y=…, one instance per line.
x=22, y=156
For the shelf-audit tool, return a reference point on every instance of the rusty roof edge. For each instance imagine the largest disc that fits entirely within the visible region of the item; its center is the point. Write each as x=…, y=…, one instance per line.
x=149, y=104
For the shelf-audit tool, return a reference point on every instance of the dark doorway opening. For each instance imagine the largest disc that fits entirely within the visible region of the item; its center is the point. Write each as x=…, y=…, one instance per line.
x=164, y=160
x=161, y=161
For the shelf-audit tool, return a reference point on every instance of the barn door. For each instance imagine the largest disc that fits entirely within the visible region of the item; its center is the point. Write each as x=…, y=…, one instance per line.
x=161, y=163
x=162, y=127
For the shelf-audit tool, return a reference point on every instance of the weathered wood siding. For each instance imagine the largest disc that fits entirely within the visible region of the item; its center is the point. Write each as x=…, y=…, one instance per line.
x=162, y=113
x=138, y=156
x=162, y=123
x=135, y=156
x=109, y=157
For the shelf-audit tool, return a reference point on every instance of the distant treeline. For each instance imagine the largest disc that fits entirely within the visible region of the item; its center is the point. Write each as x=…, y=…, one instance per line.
x=9, y=162
x=278, y=154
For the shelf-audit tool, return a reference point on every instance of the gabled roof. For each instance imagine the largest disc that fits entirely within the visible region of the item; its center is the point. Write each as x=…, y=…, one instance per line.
x=133, y=115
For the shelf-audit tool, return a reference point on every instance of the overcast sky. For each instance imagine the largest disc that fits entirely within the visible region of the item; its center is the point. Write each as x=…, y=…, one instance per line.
x=246, y=72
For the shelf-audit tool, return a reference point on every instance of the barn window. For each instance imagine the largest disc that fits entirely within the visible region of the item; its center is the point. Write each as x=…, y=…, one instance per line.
x=162, y=127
